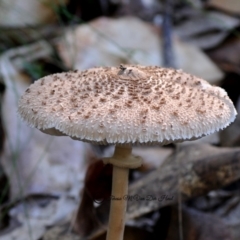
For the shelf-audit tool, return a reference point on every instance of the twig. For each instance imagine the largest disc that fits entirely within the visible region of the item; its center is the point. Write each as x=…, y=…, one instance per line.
x=167, y=46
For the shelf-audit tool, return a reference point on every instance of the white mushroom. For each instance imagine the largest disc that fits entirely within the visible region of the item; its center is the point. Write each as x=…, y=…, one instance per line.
x=130, y=104
x=126, y=105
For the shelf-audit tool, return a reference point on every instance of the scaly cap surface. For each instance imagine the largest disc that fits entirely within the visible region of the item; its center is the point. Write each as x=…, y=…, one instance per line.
x=126, y=104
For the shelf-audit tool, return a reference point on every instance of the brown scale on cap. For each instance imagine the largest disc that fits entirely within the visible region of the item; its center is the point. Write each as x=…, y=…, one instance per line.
x=136, y=104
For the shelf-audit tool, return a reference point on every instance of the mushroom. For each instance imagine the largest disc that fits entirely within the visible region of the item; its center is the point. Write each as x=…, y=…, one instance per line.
x=123, y=106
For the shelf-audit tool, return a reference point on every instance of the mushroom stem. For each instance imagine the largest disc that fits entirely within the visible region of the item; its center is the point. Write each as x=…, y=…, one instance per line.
x=118, y=203
x=122, y=161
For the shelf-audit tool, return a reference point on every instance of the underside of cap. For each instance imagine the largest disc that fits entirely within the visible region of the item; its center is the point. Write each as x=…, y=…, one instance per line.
x=126, y=105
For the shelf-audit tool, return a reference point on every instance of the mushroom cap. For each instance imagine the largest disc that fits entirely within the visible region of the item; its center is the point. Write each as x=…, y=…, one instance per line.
x=127, y=104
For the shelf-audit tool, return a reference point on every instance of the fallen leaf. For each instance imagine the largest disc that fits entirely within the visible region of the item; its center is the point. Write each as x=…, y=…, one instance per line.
x=35, y=162
x=110, y=42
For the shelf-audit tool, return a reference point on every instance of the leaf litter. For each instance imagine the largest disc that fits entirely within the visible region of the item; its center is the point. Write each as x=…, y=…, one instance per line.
x=39, y=165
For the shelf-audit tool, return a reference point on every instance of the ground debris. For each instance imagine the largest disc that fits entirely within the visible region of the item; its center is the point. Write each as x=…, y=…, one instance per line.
x=197, y=226
x=194, y=170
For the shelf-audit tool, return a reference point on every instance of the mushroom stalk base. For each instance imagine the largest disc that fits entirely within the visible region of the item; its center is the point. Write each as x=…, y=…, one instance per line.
x=118, y=204
x=122, y=161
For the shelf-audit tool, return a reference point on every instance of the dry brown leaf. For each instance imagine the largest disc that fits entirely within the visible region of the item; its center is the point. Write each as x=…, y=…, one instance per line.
x=128, y=40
